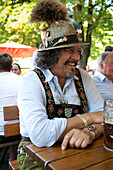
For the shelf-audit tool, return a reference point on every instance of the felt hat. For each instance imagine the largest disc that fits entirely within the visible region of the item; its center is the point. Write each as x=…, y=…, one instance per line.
x=61, y=36
x=60, y=33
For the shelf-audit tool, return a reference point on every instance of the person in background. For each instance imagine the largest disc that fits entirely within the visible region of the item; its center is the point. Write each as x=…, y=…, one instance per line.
x=91, y=72
x=43, y=27
x=8, y=97
x=108, y=48
x=103, y=77
x=16, y=68
x=72, y=21
x=57, y=101
x=35, y=55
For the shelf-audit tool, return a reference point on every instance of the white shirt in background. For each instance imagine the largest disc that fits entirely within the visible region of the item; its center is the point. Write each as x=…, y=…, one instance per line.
x=8, y=93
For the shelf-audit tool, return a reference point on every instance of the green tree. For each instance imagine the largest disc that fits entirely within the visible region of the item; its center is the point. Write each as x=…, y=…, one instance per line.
x=15, y=25
x=96, y=20
x=94, y=16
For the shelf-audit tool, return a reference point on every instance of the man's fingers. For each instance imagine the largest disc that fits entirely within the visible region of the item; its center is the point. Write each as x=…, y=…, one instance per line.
x=77, y=138
x=84, y=139
x=66, y=139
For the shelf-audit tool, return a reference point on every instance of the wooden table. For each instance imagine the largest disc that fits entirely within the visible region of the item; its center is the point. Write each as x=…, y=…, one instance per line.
x=94, y=157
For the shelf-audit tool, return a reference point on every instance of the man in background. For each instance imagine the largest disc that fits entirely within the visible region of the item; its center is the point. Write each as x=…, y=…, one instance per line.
x=8, y=97
x=103, y=78
x=16, y=68
x=108, y=48
x=72, y=21
x=43, y=28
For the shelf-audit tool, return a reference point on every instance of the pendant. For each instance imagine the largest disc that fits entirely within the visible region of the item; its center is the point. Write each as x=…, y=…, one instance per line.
x=63, y=101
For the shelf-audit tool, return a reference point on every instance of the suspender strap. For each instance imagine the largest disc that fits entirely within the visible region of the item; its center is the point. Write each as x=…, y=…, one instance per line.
x=50, y=104
x=80, y=89
x=49, y=97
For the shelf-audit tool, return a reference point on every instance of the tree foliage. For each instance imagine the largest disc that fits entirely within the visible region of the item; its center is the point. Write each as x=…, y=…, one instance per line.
x=94, y=16
x=14, y=19
x=96, y=20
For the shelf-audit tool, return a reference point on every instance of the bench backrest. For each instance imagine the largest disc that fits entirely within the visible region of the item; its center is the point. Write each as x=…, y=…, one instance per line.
x=11, y=128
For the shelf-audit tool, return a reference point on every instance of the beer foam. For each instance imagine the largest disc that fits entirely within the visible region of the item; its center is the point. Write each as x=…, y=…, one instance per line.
x=109, y=121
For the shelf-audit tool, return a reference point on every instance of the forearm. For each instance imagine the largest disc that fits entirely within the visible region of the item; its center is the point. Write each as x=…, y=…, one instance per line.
x=76, y=122
x=94, y=117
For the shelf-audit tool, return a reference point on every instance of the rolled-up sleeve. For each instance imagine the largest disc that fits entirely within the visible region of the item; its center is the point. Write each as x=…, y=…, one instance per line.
x=34, y=122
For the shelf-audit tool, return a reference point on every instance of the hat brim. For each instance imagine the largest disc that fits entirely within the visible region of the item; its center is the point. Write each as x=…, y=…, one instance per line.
x=64, y=46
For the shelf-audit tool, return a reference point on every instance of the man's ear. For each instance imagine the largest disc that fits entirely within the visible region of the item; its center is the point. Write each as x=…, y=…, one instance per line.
x=101, y=65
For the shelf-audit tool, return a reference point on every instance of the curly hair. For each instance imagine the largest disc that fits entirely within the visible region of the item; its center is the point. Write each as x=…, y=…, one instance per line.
x=46, y=59
x=5, y=62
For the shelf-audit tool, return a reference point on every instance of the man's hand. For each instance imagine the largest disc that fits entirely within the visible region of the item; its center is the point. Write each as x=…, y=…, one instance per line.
x=78, y=138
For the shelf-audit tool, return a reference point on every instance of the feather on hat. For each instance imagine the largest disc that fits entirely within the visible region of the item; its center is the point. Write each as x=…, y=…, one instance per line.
x=50, y=11
x=60, y=34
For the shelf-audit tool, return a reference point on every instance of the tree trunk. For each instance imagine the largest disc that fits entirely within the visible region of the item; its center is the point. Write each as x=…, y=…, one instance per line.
x=86, y=49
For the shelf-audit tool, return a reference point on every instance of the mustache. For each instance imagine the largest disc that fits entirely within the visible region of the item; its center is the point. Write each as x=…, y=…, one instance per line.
x=68, y=61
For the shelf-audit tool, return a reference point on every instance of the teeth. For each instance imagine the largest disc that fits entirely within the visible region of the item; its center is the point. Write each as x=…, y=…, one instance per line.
x=72, y=64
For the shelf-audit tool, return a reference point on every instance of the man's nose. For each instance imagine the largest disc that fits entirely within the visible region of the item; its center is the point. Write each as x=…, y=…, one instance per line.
x=75, y=57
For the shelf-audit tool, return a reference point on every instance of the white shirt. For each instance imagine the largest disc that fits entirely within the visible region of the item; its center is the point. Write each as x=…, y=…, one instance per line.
x=8, y=93
x=104, y=85
x=34, y=56
x=34, y=122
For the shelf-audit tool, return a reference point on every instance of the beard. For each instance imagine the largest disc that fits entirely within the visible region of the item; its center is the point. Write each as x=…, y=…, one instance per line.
x=70, y=75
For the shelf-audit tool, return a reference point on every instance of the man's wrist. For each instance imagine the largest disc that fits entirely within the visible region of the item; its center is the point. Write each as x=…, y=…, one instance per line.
x=83, y=119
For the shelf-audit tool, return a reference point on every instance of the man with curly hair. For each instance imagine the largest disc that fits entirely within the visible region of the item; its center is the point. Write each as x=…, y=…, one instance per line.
x=58, y=102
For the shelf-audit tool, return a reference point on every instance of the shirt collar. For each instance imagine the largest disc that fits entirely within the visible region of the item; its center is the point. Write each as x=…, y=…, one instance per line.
x=101, y=76
x=49, y=76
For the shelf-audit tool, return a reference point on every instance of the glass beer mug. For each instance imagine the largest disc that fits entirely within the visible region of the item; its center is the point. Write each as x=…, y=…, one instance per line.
x=108, y=125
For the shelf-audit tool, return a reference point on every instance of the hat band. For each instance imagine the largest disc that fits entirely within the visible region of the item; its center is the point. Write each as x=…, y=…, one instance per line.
x=62, y=41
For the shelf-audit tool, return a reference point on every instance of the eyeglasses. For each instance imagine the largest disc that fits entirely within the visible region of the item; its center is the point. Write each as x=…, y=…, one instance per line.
x=73, y=50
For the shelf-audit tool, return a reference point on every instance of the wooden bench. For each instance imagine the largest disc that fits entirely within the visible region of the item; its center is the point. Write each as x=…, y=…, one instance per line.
x=11, y=113
x=11, y=129
x=13, y=165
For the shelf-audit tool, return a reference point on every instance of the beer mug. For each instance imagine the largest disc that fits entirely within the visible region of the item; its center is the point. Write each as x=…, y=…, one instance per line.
x=108, y=125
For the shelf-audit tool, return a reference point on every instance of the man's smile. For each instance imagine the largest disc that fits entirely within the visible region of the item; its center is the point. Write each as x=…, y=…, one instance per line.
x=71, y=63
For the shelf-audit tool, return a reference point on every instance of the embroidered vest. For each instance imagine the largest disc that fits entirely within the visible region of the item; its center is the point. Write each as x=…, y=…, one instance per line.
x=63, y=110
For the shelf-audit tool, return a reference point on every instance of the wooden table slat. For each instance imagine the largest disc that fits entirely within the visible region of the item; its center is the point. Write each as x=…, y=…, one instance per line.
x=105, y=165
x=93, y=156
x=42, y=155
x=83, y=159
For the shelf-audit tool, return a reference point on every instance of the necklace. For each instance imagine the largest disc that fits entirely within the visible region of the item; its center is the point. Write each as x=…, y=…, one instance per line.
x=62, y=101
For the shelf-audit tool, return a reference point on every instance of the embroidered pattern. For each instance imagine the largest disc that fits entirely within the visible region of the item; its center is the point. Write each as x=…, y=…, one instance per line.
x=63, y=110
x=68, y=112
x=80, y=89
x=60, y=111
